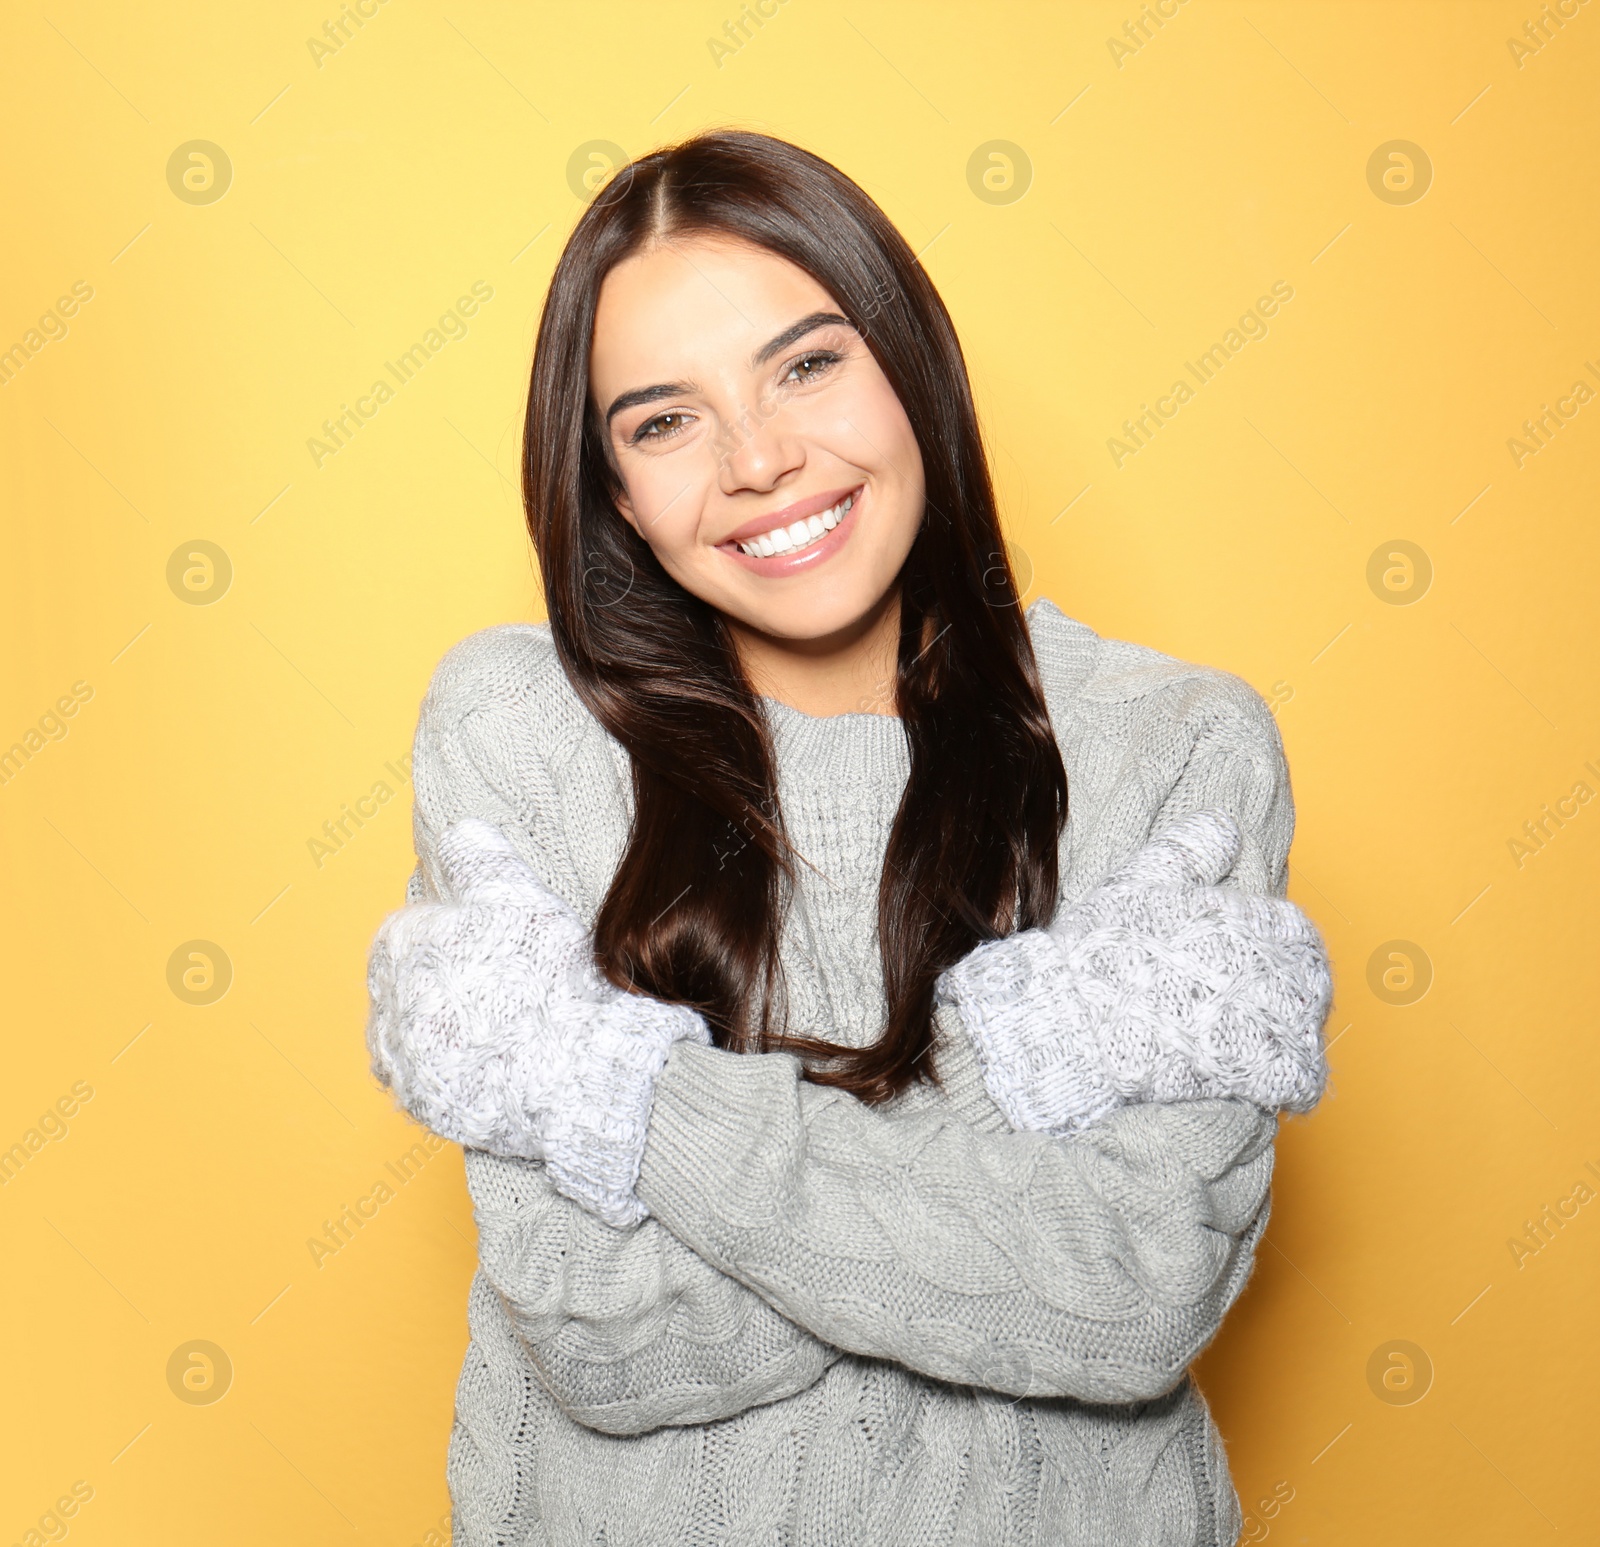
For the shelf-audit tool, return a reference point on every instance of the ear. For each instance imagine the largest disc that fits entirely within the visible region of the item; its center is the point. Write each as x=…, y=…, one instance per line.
x=618, y=489
x=625, y=507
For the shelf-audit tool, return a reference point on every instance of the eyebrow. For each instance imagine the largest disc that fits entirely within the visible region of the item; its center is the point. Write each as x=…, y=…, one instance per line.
x=794, y=334
x=642, y=395
x=639, y=396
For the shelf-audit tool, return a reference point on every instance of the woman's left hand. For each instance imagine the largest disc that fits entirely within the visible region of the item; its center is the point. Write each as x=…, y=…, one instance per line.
x=1158, y=985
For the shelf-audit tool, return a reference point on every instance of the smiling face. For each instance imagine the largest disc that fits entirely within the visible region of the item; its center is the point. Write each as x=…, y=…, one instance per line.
x=763, y=455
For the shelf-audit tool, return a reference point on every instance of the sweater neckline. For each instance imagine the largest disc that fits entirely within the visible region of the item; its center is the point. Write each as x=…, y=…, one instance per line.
x=778, y=709
x=799, y=716
x=856, y=744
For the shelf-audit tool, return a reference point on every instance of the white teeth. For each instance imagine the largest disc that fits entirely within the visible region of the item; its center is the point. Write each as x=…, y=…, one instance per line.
x=800, y=534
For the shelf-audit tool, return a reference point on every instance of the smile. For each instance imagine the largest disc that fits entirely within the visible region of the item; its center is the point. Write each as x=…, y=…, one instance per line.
x=801, y=543
x=791, y=539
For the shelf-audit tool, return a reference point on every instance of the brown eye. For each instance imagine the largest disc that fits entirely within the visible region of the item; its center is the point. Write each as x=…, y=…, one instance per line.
x=662, y=427
x=810, y=367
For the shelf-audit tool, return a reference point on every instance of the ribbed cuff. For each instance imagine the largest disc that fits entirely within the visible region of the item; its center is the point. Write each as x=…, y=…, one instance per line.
x=596, y=1129
x=1019, y=1004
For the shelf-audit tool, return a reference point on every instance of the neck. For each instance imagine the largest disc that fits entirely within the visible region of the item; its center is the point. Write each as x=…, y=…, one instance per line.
x=851, y=671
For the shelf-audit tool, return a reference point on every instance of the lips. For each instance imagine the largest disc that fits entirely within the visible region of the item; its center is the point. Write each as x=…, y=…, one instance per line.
x=812, y=505
x=797, y=537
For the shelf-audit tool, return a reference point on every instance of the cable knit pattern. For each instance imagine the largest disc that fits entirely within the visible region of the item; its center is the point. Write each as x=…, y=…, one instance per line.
x=905, y=1324
x=1160, y=985
x=491, y=1023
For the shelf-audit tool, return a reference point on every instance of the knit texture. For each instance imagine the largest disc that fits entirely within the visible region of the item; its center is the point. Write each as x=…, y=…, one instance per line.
x=491, y=1023
x=903, y=1324
x=1160, y=985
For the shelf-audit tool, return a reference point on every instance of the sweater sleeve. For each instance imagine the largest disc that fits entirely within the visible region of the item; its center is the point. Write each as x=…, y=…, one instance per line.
x=629, y=1329
x=1094, y=1266
x=1091, y=1014
x=1237, y=765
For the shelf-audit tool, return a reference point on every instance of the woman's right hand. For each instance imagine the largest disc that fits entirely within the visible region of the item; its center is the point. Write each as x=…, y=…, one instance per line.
x=492, y=1025
x=1158, y=985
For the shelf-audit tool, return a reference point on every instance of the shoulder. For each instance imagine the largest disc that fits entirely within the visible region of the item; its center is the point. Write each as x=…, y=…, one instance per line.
x=503, y=736
x=1146, y=737
x=505, y=685
x=1135, y=695
x=510, y=664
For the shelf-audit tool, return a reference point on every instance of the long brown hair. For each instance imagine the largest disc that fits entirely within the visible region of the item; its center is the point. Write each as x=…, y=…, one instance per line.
x=694, y=910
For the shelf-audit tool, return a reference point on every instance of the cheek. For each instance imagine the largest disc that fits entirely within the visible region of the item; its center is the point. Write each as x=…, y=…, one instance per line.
x=879, y=432
x=666, y=498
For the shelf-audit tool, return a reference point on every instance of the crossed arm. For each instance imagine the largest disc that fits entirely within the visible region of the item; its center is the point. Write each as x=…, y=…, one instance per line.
x=790, y=1222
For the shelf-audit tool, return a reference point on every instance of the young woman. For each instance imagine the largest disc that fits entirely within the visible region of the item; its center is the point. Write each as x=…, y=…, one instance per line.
x=861, y=1149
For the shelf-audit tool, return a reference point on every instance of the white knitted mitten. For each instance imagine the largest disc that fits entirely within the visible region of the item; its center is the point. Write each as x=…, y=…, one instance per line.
x=492, y=1025
x=1158, y=985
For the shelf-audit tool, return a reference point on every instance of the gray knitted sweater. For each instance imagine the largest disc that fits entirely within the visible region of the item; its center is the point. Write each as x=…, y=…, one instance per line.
x=841, y=1324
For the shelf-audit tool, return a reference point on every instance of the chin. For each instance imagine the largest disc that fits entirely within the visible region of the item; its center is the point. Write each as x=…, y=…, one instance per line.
x=818, y=615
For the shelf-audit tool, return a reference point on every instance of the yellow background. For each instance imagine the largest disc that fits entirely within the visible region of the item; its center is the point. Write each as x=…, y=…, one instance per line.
x=1169, y=189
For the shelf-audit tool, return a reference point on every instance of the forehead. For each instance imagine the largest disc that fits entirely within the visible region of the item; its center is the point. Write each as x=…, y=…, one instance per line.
x=684, y=307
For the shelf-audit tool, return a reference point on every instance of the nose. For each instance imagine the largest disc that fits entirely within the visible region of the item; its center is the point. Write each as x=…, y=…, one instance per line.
x=755, y=451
